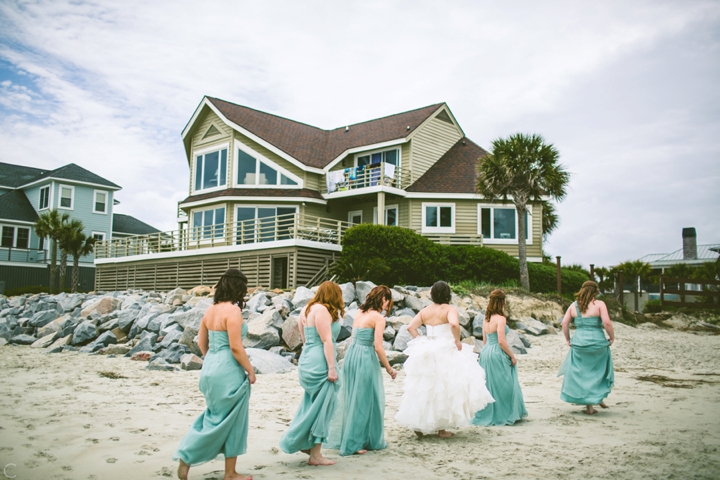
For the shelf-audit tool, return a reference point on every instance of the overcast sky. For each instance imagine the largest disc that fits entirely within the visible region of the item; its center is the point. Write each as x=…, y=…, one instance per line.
x=628, y=92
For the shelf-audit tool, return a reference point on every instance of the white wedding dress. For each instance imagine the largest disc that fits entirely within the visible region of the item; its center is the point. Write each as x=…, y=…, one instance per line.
x=444, y=386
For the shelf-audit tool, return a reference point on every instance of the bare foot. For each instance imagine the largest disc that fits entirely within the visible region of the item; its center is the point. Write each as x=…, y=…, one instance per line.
x=320, y=461
x=419, y=434
x=183, y=470
x=589, y=410
x=445, y=434
x=360, y=452
x=237, y=476
x=603, y=404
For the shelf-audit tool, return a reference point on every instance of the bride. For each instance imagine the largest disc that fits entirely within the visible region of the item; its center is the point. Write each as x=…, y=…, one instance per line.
x=444, y=384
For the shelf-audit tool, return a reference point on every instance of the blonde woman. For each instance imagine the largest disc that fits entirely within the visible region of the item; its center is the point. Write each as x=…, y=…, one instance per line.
x=588, y=368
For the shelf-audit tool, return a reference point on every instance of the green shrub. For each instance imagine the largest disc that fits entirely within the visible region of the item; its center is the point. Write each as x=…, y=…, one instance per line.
x=652, y=306
x=479, y=264
x=543, y=279
x=14, y=292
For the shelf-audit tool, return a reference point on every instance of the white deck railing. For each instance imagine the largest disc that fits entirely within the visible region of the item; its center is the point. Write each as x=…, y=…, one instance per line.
x=377, y=174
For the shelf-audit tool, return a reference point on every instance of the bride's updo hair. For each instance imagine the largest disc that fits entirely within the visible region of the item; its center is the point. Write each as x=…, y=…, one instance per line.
x=440, y=292
x=587, y=294
x=496, y=305
x=231, y=287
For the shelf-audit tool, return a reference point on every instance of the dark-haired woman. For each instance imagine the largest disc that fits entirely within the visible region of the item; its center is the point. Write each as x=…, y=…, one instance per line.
x=359, y=421
x=224, y=381
x=444, y=385
x=588, y=367
x=317, y=372
x=499, y=363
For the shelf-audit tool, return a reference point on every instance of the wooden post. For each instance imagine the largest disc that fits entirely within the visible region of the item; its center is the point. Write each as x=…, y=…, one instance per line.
x=592, y=272
x=622, y=288
x=559, y=276
x=662, y=293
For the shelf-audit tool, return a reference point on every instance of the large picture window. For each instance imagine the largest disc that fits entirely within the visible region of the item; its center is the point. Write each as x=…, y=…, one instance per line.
x=211, y=170
x=498, y=224
x=438, y=218
x=388, y=156
x=44, y=198
x=252, y=171
x=209, y=223
x=263, y=224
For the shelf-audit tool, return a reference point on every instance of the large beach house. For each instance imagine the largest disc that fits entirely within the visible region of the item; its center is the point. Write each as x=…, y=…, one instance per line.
x=274, y=197
x=27, y=192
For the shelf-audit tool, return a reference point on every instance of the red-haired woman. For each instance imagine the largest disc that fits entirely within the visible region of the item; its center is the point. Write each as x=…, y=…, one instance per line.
x=359, y=423
x=499, y=363
x=317, y=371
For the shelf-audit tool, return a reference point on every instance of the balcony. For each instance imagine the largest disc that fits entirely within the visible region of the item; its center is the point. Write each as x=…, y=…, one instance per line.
x=282, y=227
x=22, y=255
x=366, y=176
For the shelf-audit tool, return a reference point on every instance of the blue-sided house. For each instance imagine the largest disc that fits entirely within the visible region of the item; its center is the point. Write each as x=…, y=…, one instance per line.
x=27, y=192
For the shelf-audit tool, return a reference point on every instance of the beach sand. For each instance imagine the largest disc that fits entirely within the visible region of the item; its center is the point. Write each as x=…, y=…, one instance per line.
x=60, y=419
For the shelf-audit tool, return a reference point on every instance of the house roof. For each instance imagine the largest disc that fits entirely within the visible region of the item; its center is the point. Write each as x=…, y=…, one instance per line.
x=455, y=172
x=17, y=175
x=313, y=146
x=705, y=253
x=256, y=192
x=127, y=224
x=14, y=205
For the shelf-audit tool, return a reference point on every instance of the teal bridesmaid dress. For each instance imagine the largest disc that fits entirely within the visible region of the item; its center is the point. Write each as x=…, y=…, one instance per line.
x=358, y=423
x=223, y=427
x=588, y=367
x=502, y=382
x=312, y=420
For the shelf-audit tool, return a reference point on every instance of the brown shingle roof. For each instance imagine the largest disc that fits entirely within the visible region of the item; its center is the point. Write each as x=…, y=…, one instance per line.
x=455, y=172
x=316, y=147
x=256, y=192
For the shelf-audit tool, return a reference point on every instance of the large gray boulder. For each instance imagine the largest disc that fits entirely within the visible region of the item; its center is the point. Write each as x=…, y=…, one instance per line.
x=415, y=303
x=269, y=317
x=188, y=339
x=44, y=342
x=389, y=333
x=514, y=342
x=395, y=357
x=261, y=335
x=23, y=339
x=84, y=333
x=126, y=317
x=156, y=323
x=144, y=345
x=268, y=362
x=258, y=301
x=282, y=305
x=70, y=302
x=190, y=361
x=302, y=297
x=158, y=363
x=172, y=354
x=464, y=318
x=173, y=337
x=42, y=318
x=477, y=325
x=397, y=297
x=362, y=289
x=192, y=317
x=107, y=338
x=348, y=292
x=174, y=295
x=398, y=322
x=402, y=339
x=291, y=332
x=345, y=327
x=532, y=326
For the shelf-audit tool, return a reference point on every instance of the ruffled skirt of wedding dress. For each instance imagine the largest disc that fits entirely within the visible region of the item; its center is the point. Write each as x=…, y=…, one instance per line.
x=444, y=386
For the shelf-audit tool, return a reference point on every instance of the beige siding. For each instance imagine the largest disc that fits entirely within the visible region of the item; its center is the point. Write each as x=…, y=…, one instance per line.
x=430, y=143
x=272, y=156
x=209, y=118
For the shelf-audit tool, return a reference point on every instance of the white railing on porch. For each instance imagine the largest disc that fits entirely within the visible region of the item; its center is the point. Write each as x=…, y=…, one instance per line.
x=281, y=227
x=476, y=240
x=377, y=174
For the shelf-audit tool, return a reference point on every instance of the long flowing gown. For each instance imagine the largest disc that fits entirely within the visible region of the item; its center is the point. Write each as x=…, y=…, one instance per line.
x=502, y=381
x=223, y=427
x=444, y=386
x=311, y=423
x=358, y=423
x=588, y=367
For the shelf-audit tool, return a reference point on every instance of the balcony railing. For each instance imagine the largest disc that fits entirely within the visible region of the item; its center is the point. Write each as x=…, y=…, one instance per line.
x=456, y=239
x=383, y=174
x=281, y=227
x=23, y=255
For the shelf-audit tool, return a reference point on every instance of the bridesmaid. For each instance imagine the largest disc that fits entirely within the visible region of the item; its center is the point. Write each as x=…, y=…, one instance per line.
x=588, y=367
x=317, y=369
x=359, y=422
x=500, y=367
x=224, y=381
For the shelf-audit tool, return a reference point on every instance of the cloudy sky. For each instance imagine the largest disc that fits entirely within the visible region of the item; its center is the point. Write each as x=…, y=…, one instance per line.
x=628, y=91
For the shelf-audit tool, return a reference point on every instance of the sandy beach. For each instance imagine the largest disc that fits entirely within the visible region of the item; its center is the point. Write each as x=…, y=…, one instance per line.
x=61, y=419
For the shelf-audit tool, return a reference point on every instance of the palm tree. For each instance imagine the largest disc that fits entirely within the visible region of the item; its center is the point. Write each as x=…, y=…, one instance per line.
x=50, y=225
x=523, y=169
x=634, y=271
x=550, y=219
x=67, y=233
x=681, y=270
x=604, y=276
x=78, y=245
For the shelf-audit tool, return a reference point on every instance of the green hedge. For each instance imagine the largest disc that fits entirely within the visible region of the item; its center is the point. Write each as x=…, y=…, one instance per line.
x=414, y=260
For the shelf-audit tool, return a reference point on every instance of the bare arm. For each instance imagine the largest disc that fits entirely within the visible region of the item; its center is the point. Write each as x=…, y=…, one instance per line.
x=234, y=331
x=378, y=343
x=605, y=317
x=484, y=332
x=566, y=323
x=454, y=322
x=502, y=341
x=203, y=343
x=302, y=320
x=414, y=325
x=323, y=325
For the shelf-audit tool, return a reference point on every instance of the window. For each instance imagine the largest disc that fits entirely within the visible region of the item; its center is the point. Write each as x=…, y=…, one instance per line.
x=11, y=240
x=438, y=218
x=211, y=170
x=67, y=193
x=499, y=224
x=209, y=223
x=355, y=217
x=99, y=236
x=264, y=224
x=388, y=156
x=44, y=198
x=391, y=215
x=253, y=171
x=100, y=204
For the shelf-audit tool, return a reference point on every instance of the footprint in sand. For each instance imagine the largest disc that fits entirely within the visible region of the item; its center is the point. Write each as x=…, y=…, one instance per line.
x=92, y=440
x=115, y=439
x=111, y=460
x=66, y=468
x=89, y=425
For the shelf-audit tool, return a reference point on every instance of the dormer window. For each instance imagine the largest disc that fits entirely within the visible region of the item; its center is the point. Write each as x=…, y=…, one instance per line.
x=253, y=171
x=211, y=170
